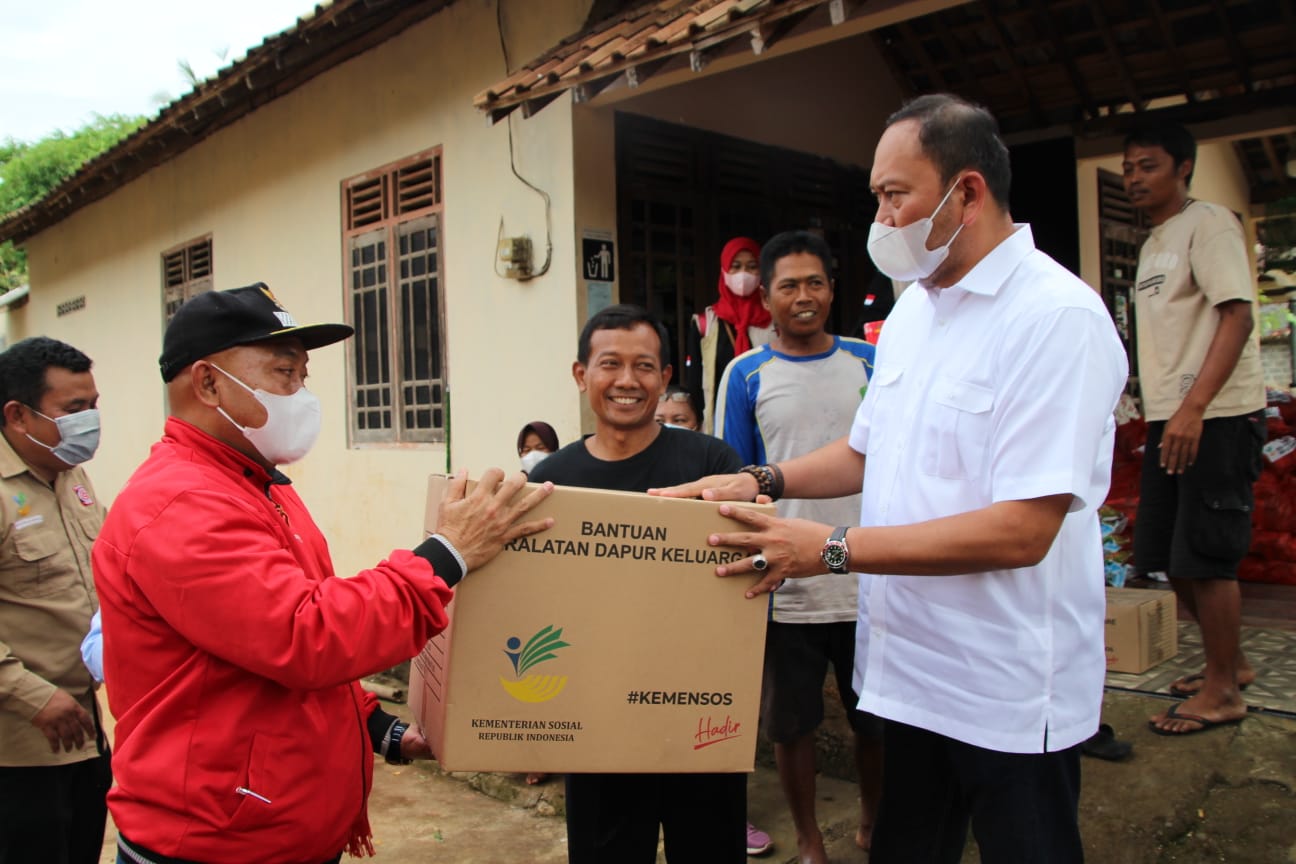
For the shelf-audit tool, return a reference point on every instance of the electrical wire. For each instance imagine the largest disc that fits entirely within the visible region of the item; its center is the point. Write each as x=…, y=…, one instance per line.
x=508, y=70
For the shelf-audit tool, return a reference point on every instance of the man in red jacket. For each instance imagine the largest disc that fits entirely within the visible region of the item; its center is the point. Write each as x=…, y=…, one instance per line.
x=231, y=652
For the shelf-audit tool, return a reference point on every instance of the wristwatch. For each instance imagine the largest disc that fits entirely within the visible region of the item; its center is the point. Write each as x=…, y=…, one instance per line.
x=835, y=554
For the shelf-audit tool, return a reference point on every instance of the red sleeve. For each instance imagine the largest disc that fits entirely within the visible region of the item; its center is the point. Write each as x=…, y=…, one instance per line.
x=221, y=577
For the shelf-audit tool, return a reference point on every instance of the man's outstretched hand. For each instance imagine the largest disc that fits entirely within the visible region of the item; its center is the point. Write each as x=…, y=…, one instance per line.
x=481, y=522
x=716, y=487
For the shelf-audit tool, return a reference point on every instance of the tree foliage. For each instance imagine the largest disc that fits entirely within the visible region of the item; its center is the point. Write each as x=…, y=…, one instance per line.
x=28, y=171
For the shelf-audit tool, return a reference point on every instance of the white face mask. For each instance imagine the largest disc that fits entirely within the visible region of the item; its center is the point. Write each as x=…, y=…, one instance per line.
x=78, y=436
x=291, y=427
x=742, y=283
x=902, y=253
x=531, y=459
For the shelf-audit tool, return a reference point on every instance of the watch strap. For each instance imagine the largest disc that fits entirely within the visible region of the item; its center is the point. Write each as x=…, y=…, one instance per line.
x=836, y=545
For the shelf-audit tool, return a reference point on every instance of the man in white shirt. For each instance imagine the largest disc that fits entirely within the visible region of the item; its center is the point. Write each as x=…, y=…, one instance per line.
x=987, y=431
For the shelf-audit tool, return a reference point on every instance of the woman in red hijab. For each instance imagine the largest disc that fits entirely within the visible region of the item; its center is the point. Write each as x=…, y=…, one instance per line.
x=737, y=322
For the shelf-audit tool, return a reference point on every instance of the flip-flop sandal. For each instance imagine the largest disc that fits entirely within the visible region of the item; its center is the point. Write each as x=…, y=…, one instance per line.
x=1174, y=714
x=1103, y=745
x=1184, y=693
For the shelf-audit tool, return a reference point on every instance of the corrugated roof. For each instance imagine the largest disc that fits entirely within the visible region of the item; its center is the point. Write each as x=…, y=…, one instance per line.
x=330, y=35
x=637, y=37
x=1084, y=67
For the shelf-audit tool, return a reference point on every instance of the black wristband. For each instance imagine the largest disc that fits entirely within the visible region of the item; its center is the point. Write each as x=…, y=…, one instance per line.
x=391, y=746
x=378, y=725
x=443, y=561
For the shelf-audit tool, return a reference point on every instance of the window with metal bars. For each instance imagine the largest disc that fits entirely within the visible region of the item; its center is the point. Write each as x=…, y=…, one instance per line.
x=186, y=273
x=396, y=377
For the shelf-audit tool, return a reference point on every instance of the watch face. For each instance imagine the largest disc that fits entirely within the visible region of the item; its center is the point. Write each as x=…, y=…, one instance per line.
x=835, y=555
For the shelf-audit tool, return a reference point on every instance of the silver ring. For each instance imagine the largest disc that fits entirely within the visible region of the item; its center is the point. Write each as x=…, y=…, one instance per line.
x=760, y=563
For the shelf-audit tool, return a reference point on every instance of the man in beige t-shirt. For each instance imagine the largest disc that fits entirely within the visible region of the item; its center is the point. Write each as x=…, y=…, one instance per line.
x=1203, y=397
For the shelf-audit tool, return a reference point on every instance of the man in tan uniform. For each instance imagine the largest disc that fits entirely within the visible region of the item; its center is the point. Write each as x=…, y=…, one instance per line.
x=54, y=766
x=1203, y=397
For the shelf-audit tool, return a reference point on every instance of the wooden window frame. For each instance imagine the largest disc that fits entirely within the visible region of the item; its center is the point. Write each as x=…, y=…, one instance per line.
x=395, y=203
x=188, y=269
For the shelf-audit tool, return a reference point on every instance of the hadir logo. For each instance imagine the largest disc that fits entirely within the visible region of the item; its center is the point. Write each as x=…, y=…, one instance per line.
x=541, y=647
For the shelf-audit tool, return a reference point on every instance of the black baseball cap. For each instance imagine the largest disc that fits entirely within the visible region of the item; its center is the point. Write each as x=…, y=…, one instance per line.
x=216, y=320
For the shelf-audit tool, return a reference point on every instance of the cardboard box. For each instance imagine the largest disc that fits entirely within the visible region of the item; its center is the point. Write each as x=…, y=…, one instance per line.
x=1141, y=629
x=606, y=643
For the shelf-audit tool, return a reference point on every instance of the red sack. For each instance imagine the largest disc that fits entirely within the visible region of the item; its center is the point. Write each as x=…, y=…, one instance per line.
x=1125, y=479
x=1276, y=426
x=1252, y=569
x=1130, y=438
x=1272, y=546
x=1273, y=572
x=1280, y=572
x=1275, y=503
x=1280, y=454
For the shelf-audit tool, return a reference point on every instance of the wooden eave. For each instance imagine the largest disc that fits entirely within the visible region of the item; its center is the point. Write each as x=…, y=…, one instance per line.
x=1087, y=68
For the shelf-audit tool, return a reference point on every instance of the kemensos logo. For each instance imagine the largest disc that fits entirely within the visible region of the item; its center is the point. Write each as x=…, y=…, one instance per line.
x=540, y=648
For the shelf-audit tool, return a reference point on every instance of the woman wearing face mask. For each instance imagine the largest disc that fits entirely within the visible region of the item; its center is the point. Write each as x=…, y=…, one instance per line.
x=536, y=441
x=678, y=407
x=737, y=322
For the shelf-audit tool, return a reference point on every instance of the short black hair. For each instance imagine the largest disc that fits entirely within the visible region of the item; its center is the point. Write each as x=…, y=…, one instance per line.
x=623, y=316
x=23, y=366
x=792, y=243
x=1174, y=138
x=956, y=134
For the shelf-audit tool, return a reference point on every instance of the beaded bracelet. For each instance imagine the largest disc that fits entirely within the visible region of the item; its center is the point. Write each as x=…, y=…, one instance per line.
x=778, y=481
x=769, y=479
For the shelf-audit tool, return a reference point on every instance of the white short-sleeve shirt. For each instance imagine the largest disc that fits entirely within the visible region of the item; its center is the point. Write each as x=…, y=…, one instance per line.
x=998, y=388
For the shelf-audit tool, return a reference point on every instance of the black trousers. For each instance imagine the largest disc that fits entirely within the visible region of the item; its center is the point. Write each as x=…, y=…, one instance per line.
x=54, y=814
x=613, y=818
x=1022, y=807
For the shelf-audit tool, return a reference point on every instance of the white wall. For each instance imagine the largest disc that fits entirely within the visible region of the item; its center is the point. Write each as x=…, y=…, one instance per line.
x=267, y=190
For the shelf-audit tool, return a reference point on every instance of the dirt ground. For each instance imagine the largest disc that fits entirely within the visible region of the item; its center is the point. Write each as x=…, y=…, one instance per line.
x=1228, y=795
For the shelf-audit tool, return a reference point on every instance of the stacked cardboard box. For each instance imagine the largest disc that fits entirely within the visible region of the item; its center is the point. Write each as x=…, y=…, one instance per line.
x=1141, y=629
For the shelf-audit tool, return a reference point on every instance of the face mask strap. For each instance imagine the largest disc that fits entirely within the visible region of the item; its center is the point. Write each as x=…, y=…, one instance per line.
x=231, y=377
x=948, y=193
x=931, y=220
x=219, y=409
x=42, y=443
x=67, y=443
x=53, y=420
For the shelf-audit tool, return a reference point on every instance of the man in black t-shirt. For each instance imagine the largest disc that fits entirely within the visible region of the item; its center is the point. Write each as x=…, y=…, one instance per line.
x=613, y=818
